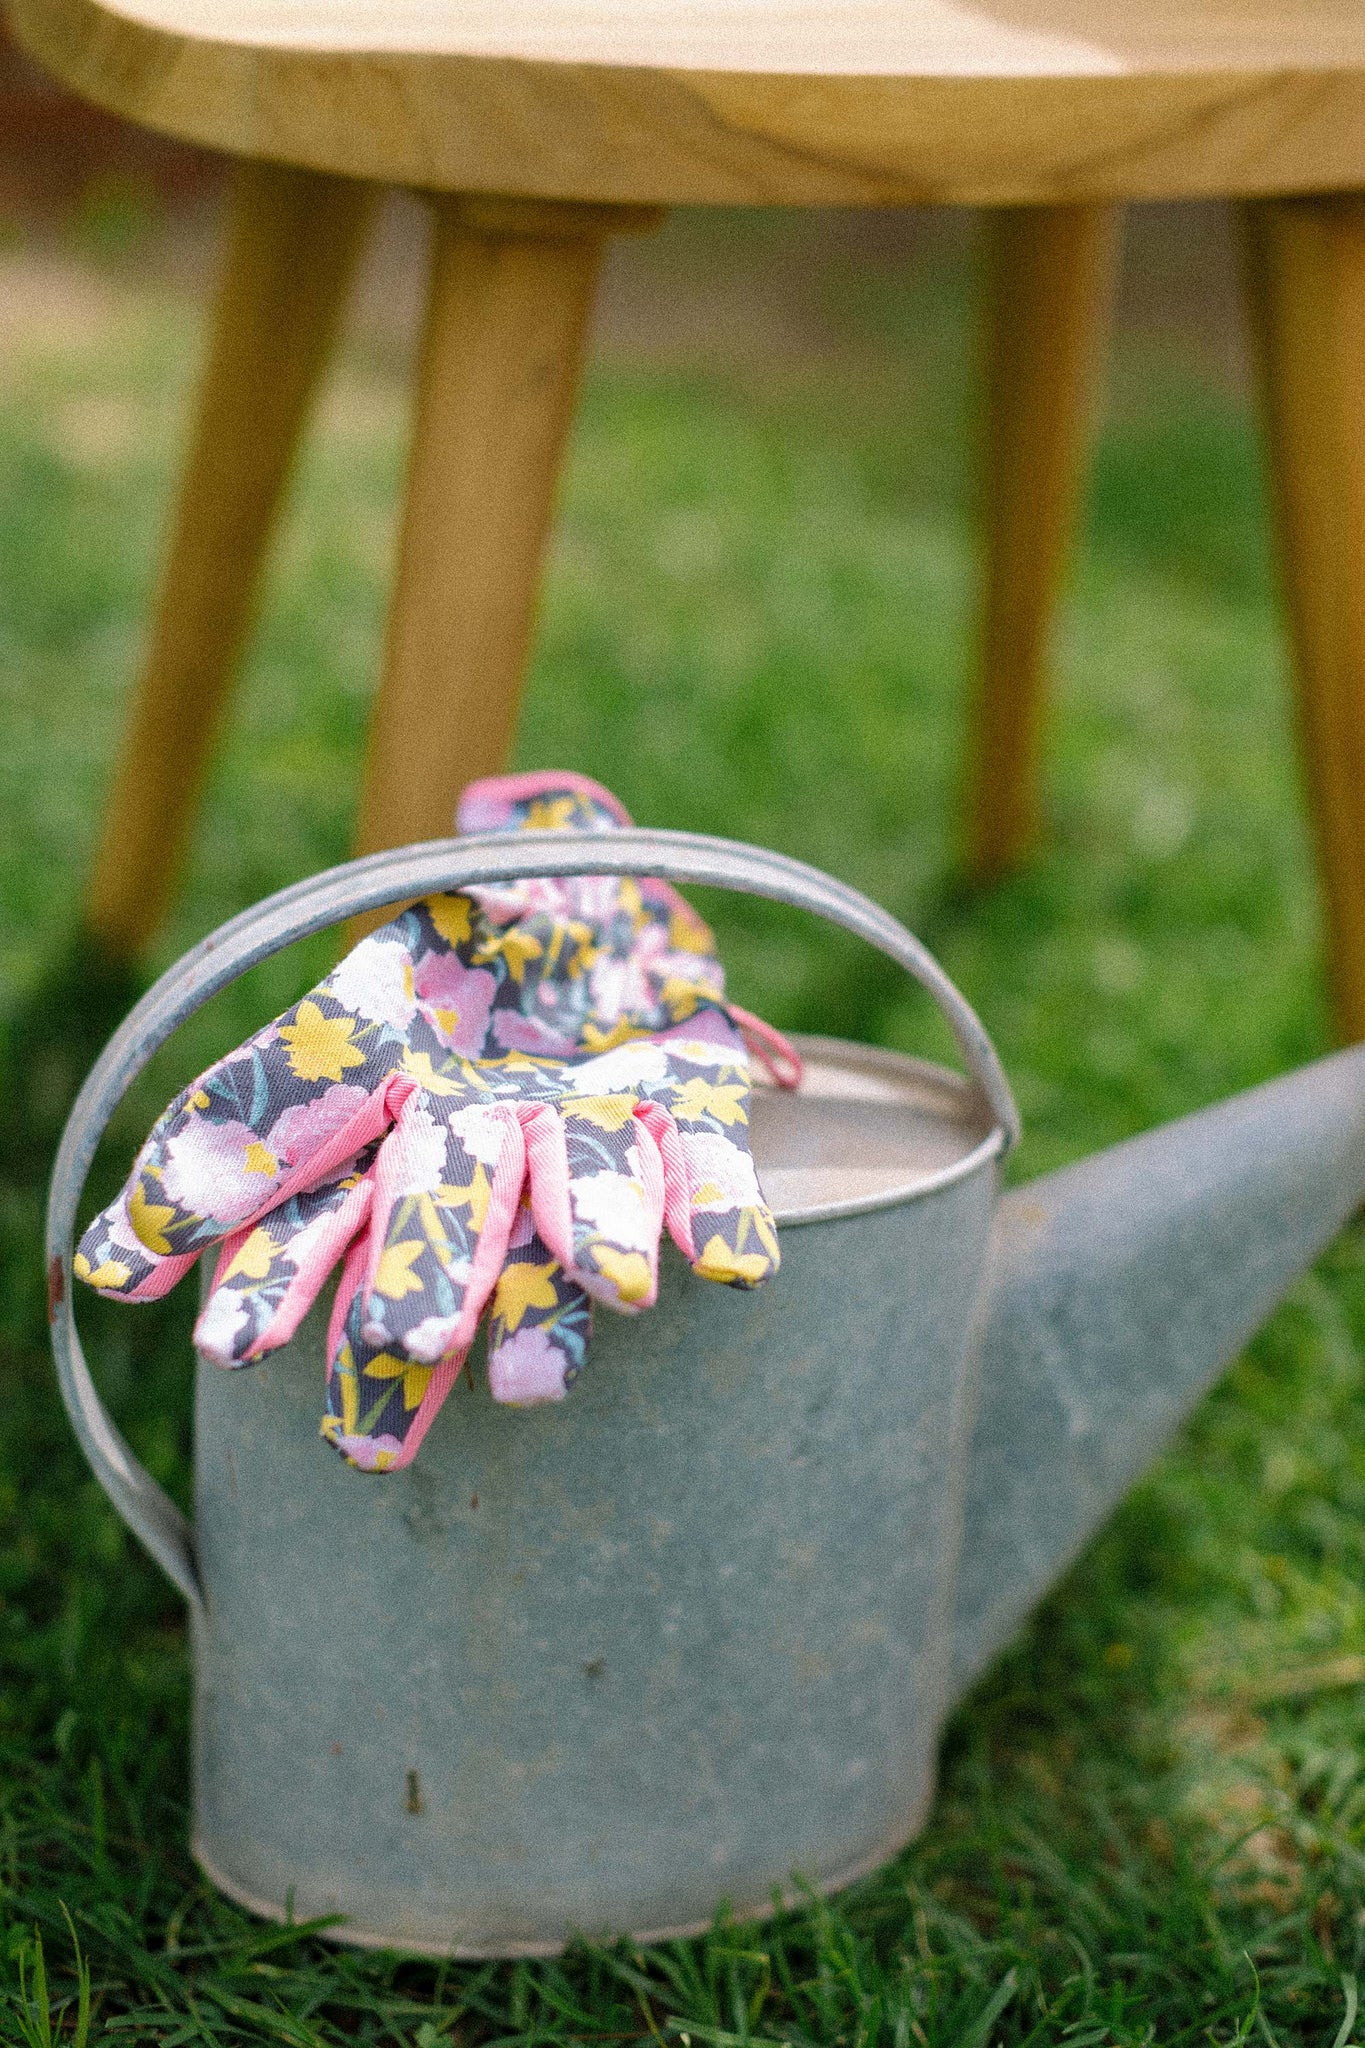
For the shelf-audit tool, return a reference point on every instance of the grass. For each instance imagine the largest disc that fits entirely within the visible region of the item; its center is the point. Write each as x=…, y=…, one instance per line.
x=1151, y=1822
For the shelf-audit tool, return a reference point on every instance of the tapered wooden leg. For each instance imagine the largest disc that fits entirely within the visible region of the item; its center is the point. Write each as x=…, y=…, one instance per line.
x=512, y=286
x=294, y=237
x=1305, y=278
x=1049, y=284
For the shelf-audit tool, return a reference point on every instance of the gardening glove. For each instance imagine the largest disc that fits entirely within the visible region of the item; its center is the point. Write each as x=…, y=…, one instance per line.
x=524, y=1081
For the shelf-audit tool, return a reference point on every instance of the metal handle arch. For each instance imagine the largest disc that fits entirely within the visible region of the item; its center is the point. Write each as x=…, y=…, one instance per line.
x=373, y=883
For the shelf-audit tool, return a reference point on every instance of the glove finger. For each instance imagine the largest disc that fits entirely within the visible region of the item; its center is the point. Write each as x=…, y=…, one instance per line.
x=447, y=1186
x=277, y=1117
x=616, y=1200
x=706, y=1099
x=380, y=1402
x=269, y=1275
x=541, y=1322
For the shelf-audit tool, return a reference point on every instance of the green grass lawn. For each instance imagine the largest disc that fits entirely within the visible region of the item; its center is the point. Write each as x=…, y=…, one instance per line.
x=1151, y=1823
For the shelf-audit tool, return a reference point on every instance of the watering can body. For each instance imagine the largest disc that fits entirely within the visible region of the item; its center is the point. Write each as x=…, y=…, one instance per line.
x=689, y=1637
x=597, y=1667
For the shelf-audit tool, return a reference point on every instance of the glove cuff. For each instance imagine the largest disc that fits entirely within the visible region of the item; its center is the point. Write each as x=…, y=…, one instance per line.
x=546, y=799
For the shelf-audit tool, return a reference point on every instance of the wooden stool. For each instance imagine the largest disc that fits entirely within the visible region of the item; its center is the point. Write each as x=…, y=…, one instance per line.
x=542, y=126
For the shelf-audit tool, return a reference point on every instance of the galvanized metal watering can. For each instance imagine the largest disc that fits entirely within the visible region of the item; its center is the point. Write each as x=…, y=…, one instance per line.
x=597, y=1668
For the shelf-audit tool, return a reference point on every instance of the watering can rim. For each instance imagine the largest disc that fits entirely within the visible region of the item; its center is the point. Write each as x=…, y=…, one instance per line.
x=377, y=881
x=851, y=1053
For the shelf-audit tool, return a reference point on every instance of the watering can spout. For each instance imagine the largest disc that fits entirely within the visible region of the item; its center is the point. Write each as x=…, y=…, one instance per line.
x=1119, y=1288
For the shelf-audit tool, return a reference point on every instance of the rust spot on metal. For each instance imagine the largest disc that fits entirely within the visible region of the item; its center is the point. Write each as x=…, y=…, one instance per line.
x=475, y=1501
x=54, y=1287
x=336, y=1749
x=415, y=1802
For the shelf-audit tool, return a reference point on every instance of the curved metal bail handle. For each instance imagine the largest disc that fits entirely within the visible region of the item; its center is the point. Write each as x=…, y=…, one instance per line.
x=373, y=883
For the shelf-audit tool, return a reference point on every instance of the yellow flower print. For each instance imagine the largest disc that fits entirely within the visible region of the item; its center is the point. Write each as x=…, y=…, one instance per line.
x=108, y=1273
x=255, y=1257
x=476, y=1195
x=518, y=1062
x=260, y=1159
x=149, y=1220
x=689, y=935
x=418, y=1064
x=682, y=997
x=629, y=1271
x=718, y=1262
x=764, y=1230
x=551, y=814
x=414, y=1377
x=395, y=1277
x=582, y=951
x=586, y=953
x=608, y=1112
x=632, y=902
x=320, y=1047
x=335, y=1427
x=514, y=946
x=700, y=1098
x=521, y=1287
x=451, y=916
x=595, y=1039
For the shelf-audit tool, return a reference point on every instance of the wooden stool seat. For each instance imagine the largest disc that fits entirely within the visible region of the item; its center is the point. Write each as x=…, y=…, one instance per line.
x=540, y=127
x=797, y=102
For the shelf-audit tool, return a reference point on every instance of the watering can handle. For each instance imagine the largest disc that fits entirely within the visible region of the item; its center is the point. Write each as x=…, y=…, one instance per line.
x=373, y=883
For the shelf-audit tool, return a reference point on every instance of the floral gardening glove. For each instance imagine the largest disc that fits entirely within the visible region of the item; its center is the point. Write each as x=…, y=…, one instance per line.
x=502, y=1094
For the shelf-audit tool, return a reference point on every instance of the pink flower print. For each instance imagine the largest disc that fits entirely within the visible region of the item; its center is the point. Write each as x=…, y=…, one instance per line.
x=708, y=1039
x=594, y=898
x=219, y=1170
x=305, y=1127
x=457, y=1000
x=527, y=1368
x=502, y=902
x=517, y=1033
x=371, y=1453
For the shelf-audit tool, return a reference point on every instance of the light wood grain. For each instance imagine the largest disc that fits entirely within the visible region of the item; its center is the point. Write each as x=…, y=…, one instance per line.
x=1305, y=271
x=811, y=38
x=762, y=101
x=506, y=325
x=1049, y=285
x=291, y=250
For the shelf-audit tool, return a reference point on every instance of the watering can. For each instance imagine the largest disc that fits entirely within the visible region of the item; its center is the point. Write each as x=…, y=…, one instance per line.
x=690, y=1637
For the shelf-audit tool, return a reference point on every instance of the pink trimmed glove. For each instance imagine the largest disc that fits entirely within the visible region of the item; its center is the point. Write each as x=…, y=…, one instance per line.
x=501, y=1096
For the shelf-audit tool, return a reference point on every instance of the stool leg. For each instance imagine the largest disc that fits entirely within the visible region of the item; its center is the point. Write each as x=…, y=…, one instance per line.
x=1305, y=287
x=1049, y=282
x=512, y=286
x=293, y=240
